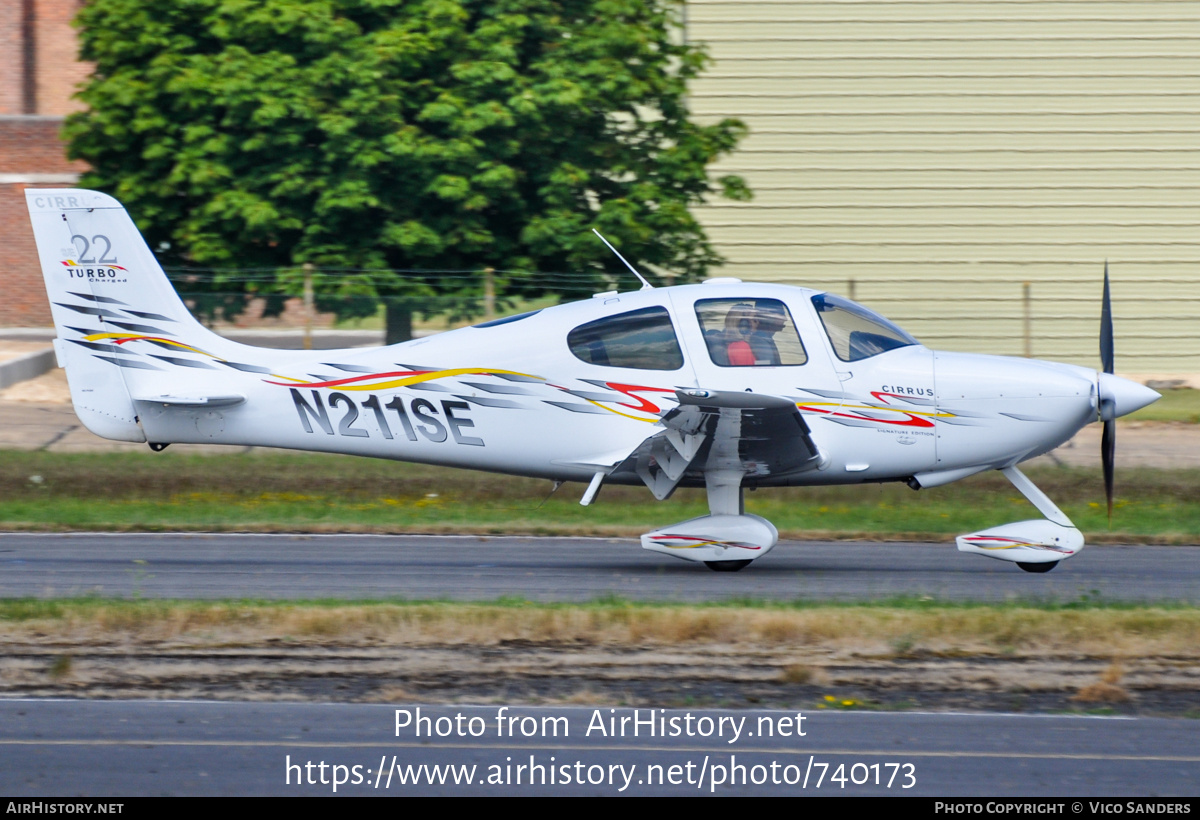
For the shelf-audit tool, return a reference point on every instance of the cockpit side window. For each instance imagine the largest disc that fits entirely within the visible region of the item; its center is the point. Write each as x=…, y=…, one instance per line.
x=749, y=332
x=641, y=339
x=855, y=332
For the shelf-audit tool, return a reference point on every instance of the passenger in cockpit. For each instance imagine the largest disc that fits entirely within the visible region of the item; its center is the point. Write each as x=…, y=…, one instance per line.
x=740, y=327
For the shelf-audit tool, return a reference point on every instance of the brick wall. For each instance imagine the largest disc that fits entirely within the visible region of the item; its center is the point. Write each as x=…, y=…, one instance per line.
x=58, y=70
x=37, y=35
x=31, y=145
x=11, y=57
x=23, y=300
x=31, y=155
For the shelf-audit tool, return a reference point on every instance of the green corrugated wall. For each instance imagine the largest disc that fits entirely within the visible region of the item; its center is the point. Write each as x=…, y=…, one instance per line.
x=942, y=154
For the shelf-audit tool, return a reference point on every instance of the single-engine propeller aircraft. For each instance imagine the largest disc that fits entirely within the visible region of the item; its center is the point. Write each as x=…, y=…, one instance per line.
x=722, y=385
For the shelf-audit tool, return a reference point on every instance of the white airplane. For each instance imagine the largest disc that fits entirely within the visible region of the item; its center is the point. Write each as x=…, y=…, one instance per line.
x=722, y=385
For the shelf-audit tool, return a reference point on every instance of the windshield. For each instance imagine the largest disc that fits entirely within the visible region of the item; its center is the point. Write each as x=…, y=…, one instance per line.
x=855, y=332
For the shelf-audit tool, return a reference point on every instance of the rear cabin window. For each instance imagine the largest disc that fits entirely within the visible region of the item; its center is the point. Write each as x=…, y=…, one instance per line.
x=749, y=333
x=641, y=339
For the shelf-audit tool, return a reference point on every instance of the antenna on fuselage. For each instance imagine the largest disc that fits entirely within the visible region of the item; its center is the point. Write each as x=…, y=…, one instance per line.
x=645, y=285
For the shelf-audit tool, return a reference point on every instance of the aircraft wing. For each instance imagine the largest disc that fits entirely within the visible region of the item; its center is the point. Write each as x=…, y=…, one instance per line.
x=758, y=435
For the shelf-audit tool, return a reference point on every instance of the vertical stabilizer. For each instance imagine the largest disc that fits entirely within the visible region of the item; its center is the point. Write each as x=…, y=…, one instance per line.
x=109, y=298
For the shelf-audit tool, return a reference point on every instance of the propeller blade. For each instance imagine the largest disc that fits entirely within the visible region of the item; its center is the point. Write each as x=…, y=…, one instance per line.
x=1108, y=454
x=1106, y=327
x=1108, y=438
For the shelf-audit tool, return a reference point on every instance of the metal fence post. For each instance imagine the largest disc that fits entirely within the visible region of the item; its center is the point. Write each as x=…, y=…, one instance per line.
x=489, y=294
x=309, y=306
x=1026, y=291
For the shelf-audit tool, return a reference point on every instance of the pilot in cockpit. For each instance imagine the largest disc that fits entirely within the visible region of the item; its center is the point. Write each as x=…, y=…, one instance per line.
x=748, y=333
x=769, y=319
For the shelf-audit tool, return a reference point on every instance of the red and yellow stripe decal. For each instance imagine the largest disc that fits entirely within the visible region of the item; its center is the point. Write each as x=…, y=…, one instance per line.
x=122, y=338
x=71, y=263
x=387, y=380
x=691, y=542
x=403, y=378
x=1001, y=542
x=912, y=418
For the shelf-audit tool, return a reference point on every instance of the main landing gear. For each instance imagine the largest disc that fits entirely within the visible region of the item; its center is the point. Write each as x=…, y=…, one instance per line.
x=1043, y=567
x=727, y=566
x=726, y=540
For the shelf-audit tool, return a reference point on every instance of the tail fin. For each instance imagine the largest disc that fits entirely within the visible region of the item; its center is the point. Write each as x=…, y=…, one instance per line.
x=106, y=289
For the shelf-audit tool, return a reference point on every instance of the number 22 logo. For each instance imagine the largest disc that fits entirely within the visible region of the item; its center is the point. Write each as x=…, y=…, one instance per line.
x=96, y=240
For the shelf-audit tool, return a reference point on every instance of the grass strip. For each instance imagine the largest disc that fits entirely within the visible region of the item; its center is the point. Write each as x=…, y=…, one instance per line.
x=901, y=626
x=277, y=491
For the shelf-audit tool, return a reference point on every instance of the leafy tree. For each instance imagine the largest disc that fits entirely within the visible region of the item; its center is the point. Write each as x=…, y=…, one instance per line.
x=374, y=137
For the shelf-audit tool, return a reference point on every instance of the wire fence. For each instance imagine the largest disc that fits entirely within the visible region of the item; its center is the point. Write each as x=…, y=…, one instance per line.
x=1157, y=322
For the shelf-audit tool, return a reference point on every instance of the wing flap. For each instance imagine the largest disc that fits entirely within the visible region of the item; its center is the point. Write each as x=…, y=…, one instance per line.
x=753, y=434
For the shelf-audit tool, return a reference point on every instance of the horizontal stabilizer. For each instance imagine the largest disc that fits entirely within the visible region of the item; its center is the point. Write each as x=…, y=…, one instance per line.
x=193, y=401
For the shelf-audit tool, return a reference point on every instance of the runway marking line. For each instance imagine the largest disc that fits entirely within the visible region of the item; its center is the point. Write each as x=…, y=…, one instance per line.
x=606, y=748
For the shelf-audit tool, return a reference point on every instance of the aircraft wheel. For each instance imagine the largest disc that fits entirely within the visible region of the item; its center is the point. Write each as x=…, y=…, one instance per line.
x=1042, y=567
x=726, y=566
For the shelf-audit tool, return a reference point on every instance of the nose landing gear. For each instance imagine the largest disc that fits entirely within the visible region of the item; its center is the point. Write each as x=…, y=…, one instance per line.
x=1034, y=546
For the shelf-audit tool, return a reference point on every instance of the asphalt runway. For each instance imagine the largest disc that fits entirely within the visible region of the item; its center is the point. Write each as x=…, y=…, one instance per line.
x=210, y=566
x=118, y=748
